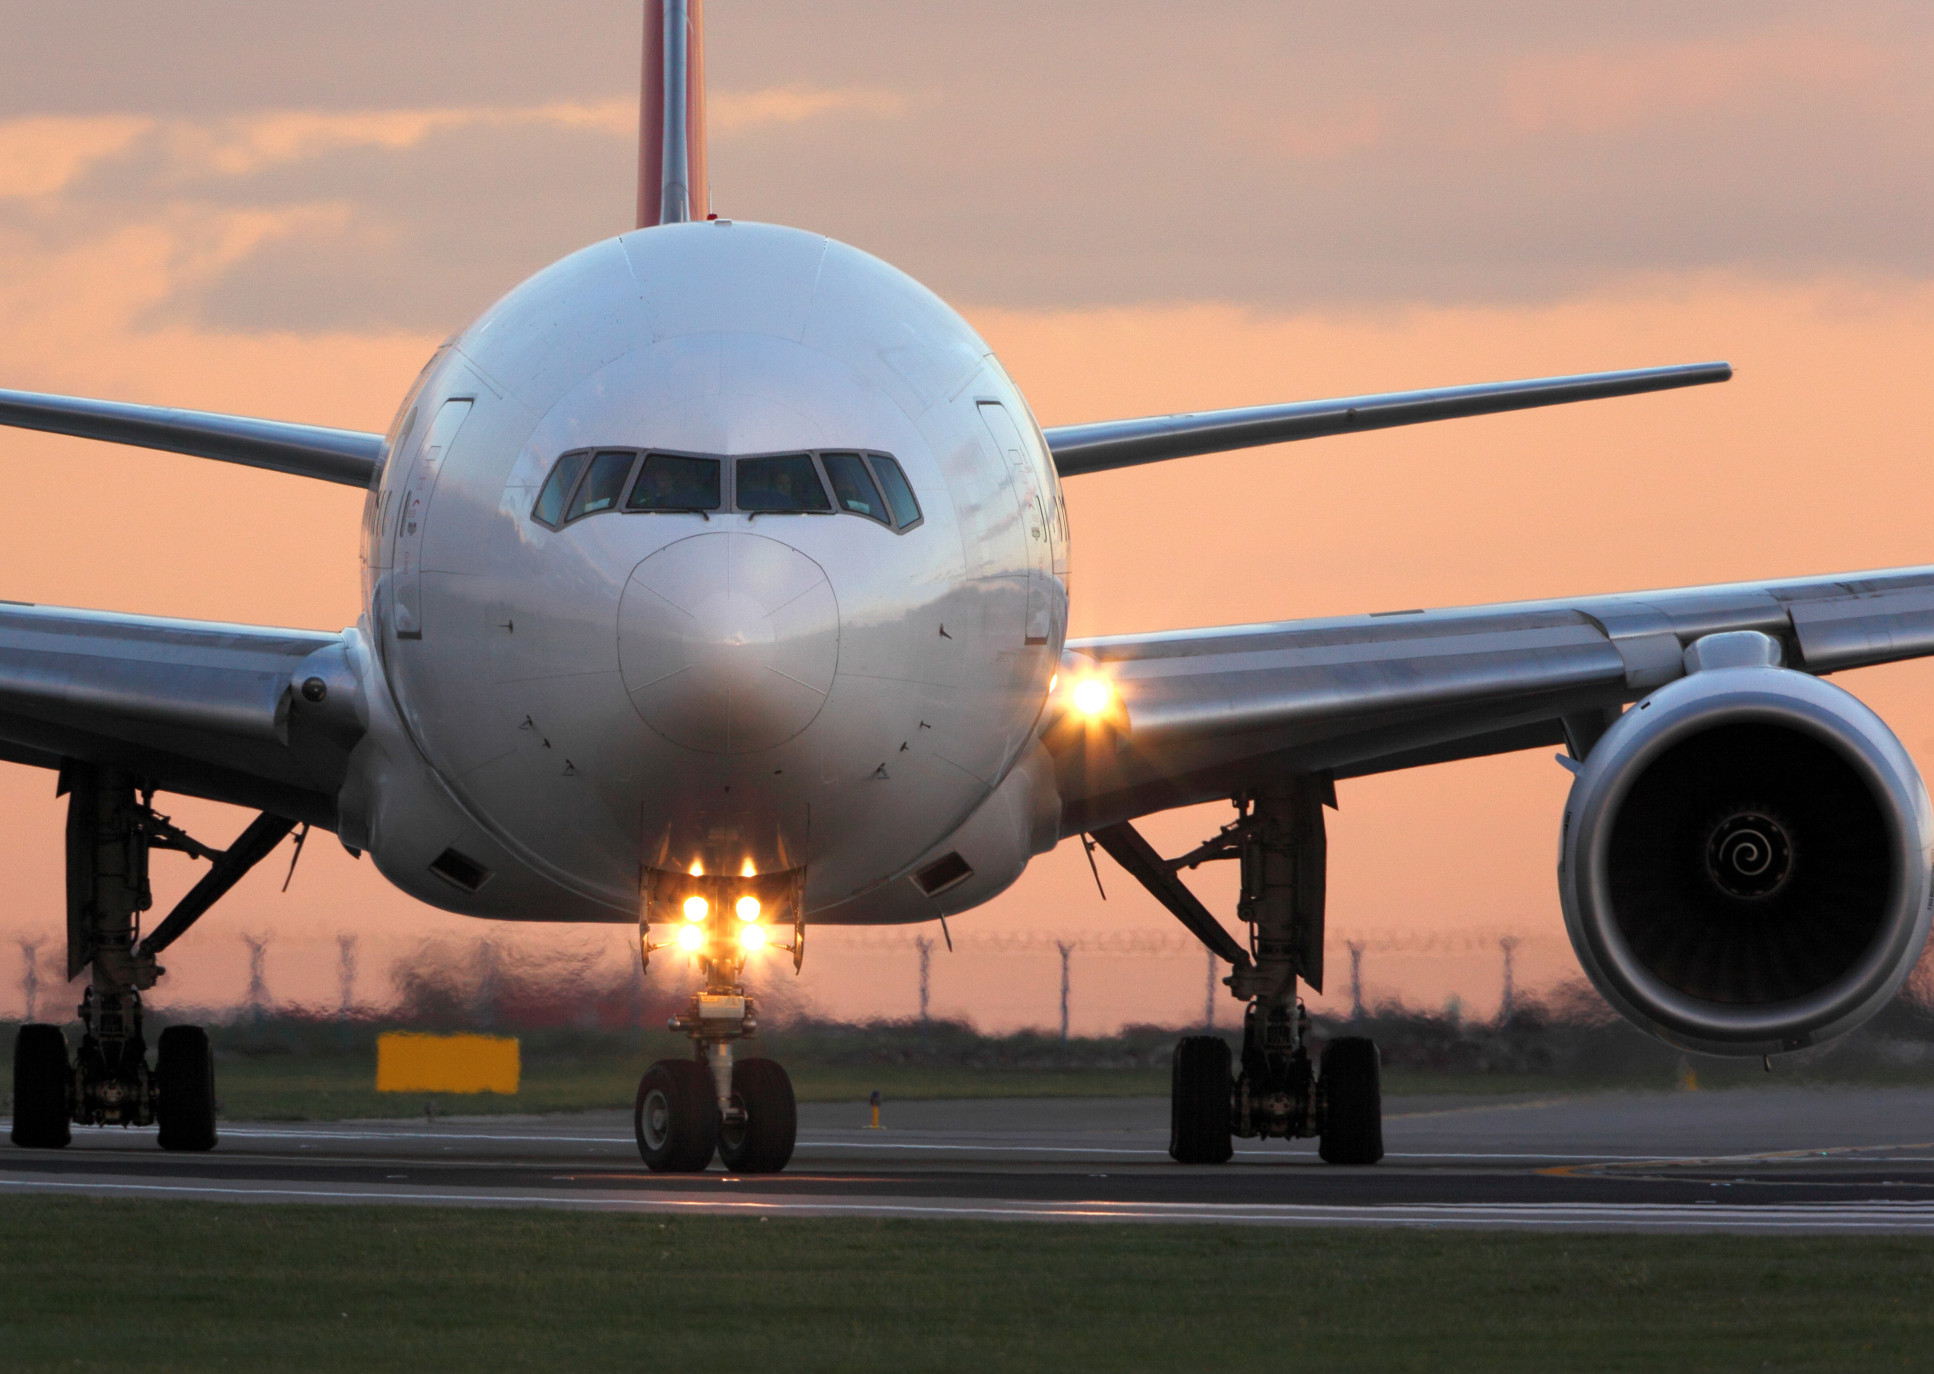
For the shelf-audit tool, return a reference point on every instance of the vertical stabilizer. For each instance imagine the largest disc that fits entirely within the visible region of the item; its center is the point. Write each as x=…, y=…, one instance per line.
x=671, y=115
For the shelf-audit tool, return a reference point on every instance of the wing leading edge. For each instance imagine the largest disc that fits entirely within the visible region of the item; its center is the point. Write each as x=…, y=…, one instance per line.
x=1126, y=443
x=1212, y=711
x=347, y=456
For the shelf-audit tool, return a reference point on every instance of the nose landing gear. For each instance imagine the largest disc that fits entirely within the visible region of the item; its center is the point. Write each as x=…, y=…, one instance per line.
x=1271, y=1089
x=688, y=1109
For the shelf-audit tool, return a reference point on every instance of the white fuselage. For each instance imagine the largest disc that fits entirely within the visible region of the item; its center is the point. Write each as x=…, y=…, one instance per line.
x=569, y=708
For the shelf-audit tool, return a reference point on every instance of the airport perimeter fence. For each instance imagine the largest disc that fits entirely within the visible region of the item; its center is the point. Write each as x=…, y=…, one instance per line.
x=589, y=1000
x=588, y=977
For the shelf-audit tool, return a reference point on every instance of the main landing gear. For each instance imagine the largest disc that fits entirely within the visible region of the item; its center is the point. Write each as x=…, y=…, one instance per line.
x=689, y=1109
x=1271, y=1088
x=111, y=828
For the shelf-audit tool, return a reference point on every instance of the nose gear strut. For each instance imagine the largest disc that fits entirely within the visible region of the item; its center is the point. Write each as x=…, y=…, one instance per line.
x=1279, y=843
x=686, y=1109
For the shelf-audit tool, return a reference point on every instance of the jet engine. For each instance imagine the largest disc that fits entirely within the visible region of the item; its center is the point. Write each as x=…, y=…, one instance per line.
x=1744, y=863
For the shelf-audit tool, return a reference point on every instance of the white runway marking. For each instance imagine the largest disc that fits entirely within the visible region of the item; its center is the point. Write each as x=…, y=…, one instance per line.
x=1780, y=1217
x=884, y=1145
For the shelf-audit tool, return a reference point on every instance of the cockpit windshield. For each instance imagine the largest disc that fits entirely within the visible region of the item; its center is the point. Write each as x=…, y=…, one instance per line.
x=589, y=481
x=673, y=482
x=788, y=482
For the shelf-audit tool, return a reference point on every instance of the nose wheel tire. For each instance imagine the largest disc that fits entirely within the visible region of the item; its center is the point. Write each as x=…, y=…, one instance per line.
x=762, y=1143
x=40, y=1083
x=1351, y=1081
x=184, y=1071
x=676, y=1116
x=1199, y=1089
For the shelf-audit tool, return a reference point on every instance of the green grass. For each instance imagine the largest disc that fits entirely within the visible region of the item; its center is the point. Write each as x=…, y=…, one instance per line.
x=174, y=1286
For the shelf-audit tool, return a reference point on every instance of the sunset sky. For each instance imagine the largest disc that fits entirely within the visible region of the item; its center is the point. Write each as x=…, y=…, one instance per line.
x=280, y=210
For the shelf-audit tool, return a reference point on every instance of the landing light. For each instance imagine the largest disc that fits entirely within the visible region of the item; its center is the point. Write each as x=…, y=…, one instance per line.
x=748, y=908
x=692, y=938
x=1093, y=696
x=752, y=936
x=697, y=908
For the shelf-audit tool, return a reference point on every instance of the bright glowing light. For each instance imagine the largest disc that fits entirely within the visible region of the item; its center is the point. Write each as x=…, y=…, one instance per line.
x=698, y=869
x=1093, y=696
x=748, y=908
x=748, y=871
x=1053, y=680
x=751, y=936
x=691, y=937
x=697, y=908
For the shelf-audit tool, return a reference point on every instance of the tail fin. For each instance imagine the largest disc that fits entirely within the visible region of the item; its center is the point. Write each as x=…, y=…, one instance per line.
x=671, y=115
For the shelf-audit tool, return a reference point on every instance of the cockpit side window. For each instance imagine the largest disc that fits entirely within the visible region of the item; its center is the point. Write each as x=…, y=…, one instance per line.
x=557, y=489
x=899, y=495
x=673, y=482
x=602, y=485
x=853, y=489
x=788, y=483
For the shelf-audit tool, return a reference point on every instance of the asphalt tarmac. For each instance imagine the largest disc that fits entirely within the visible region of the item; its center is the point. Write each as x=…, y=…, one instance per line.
x=1819, y=1160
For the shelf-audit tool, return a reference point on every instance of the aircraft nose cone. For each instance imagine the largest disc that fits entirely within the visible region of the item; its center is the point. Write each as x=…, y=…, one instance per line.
x=728, y=642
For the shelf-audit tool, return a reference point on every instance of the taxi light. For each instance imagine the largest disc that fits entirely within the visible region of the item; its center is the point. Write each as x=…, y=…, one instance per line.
x=691, y=937
x=748, y=908
x=751, y=936
x=1093, y=696
x=697, y=908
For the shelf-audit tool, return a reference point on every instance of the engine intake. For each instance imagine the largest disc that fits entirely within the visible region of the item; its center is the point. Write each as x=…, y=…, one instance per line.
x=1745, y=861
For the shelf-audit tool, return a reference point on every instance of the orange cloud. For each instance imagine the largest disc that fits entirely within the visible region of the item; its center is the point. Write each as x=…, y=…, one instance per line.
x=730, y=112
x=1598, y=93
x=41, y=156
x=1330, y=136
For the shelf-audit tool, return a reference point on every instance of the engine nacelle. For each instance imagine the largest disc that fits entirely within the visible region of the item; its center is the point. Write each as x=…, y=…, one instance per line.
x=1745, y=860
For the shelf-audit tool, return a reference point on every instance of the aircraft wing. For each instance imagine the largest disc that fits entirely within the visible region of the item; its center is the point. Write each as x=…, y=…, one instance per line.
x=259, y=717
x=1205, y=713
x=1112, y=444
x=347, y=456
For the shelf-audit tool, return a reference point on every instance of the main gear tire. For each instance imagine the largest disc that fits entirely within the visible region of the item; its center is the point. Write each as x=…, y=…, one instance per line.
x=1351, y=1082
x=762, y=1143
x=1199, y=1108
x=184, y=1081
x=41, y=1078
x=676, y=1117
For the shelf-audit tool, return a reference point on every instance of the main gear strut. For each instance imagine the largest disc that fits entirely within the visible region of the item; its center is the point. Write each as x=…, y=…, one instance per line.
x=112, y=827
x=1279, y=842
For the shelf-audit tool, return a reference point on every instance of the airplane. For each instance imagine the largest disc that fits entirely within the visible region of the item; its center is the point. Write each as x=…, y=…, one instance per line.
x=715, y=579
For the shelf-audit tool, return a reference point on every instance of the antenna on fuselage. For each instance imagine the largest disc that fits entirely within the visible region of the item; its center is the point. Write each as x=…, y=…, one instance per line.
x=672, y=187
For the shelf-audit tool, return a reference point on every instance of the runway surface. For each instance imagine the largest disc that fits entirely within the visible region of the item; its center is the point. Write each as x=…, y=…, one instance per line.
x=1773, y=1160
